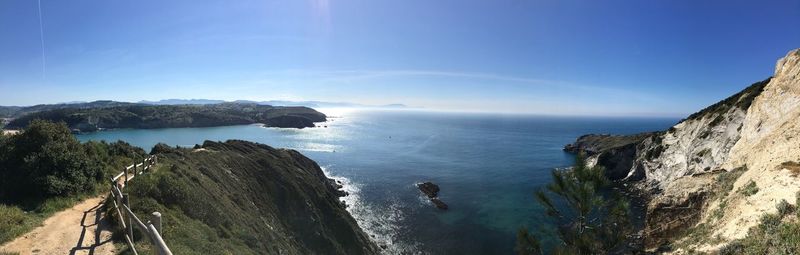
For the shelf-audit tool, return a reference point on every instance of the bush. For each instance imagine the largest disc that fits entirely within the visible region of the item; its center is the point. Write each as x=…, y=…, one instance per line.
x=770, y=222
x=749, y=189
x=45, y=169
x=732, y=249
x=725, y=180
x=771, y=236
x=45, y=161
x=797, y=204
x=784, y=208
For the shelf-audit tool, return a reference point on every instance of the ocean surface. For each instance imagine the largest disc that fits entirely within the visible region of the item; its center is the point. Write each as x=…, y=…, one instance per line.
x=487, y=166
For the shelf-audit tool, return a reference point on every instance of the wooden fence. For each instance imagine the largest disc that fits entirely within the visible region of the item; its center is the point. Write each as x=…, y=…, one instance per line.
x=127, y=219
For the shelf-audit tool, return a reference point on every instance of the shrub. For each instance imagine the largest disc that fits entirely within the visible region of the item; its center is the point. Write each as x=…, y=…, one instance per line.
x=733, y=248
x=770, y=222
x=784, y=208
x=46, y=161
x=749, y=189
x=717, y=120
x=797, y=204
x=725, y=180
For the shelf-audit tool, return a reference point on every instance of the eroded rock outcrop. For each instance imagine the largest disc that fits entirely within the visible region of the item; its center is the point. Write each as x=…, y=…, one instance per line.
x=755, y=129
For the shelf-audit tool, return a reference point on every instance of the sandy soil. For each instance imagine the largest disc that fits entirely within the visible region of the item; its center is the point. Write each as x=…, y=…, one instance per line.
x=82, y=229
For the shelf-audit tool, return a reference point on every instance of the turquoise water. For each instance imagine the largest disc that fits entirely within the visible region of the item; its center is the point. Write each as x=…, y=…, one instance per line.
x=486, y=165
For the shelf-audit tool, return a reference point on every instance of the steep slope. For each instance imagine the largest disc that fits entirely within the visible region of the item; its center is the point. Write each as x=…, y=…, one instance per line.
x=770, y=138
x=240, y=197
x=696, y=171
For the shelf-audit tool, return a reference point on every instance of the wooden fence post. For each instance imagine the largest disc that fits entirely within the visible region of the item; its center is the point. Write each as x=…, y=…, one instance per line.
x=156, y=220
x=126, y=175
x=126, y=200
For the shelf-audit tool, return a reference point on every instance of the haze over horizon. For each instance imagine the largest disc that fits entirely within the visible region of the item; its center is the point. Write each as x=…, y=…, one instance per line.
x=665, y=58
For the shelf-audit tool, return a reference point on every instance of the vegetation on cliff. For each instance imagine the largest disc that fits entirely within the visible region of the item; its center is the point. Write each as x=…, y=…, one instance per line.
x=741, y=100
x=18, y=111
x=776, y=234
x=591, y=218
x=240, y=197
x=173, y=116
x=45, y=169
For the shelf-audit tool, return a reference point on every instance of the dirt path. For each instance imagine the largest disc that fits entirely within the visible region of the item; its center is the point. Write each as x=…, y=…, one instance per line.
x=82, y=229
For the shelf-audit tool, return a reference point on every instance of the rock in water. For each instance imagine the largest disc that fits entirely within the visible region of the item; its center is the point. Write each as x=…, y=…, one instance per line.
x=439, y=204
x=430, y=189
x=337, y=187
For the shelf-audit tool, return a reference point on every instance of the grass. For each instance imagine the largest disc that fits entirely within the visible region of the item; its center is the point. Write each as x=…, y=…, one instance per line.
x=720, y=211
x=700, y=233
x=243, y=198
x=749, y=189
x=726, y=180
x=773, y=235
x=15, y=220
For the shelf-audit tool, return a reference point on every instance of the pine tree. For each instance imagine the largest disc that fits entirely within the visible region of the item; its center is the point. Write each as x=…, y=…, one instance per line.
x=592, y=218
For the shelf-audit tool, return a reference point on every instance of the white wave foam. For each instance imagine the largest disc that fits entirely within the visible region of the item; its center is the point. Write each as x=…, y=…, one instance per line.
x=382, y=224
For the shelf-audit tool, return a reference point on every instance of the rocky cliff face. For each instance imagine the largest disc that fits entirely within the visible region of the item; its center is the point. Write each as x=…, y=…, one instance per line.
x=755, y=130
x=240, y=197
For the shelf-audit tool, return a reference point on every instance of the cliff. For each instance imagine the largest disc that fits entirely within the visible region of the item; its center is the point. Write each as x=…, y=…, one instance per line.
x=93, y=116
x=240, y=197
x=696, y=172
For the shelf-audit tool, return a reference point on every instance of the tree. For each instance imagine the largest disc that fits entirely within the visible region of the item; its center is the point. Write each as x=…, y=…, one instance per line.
x=44, y=161
x=591, y=217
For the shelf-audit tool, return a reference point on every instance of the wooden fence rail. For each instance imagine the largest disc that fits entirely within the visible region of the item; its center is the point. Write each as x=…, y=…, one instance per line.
x=127, y=219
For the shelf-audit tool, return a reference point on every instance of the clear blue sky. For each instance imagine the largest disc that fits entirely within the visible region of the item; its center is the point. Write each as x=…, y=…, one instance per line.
x=559, y=57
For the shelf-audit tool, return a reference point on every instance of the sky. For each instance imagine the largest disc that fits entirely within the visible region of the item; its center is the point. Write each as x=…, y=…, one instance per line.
x=615, y=58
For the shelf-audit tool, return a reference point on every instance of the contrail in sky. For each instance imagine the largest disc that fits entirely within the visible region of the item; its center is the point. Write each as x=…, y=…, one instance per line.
x=41, y=36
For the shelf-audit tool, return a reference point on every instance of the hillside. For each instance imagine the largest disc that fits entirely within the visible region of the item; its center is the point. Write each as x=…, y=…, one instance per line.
x=92, y=117
x=17, y=111
x=240, y=197
x=717, y=173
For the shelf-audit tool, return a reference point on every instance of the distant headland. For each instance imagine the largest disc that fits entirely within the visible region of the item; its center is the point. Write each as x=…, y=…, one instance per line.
x=99, y=115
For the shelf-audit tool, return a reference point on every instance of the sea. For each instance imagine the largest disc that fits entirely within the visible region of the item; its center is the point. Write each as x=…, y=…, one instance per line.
x=487, y=165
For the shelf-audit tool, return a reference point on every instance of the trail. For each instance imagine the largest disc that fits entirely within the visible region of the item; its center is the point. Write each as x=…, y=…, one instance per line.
x=82, y=229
